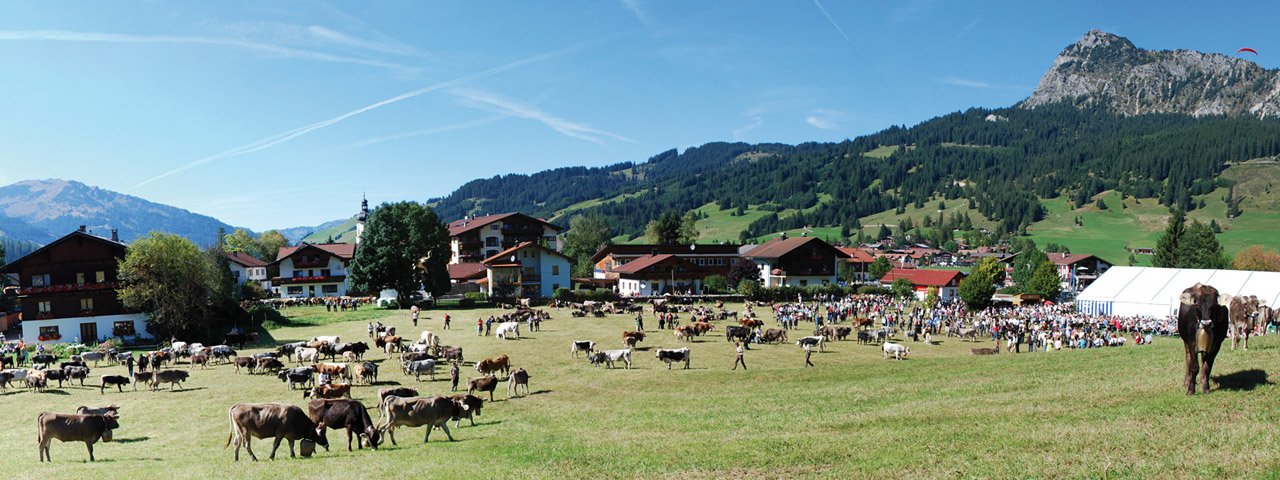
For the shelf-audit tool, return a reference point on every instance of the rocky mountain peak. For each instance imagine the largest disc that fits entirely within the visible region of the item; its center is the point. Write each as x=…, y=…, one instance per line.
x=1106, y=69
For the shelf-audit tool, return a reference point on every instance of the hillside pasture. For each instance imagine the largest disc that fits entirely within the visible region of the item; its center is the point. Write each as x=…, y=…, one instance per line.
x=942, y=413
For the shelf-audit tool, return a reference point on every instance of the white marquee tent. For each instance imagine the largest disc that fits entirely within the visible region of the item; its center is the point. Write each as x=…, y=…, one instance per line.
x=1155, y=292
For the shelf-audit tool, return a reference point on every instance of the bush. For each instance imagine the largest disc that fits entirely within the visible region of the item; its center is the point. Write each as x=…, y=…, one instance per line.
x=902, y=288
x=563, y=294
x=478, y=297
x=872, y=290
x=715, y=284
x=749, y=288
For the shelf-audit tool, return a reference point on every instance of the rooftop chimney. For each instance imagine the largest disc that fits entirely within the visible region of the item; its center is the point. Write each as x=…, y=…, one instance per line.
x=115, y=235
x=81, y=229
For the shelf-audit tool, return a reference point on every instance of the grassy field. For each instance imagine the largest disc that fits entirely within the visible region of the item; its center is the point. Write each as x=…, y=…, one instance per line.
x=941, y=414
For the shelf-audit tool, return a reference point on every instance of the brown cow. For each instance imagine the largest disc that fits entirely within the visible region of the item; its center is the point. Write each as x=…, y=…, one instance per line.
x=482, y=384
x=515, y=380
x=499, y=363
x=72, y=428
x=277, y=420
x=637, y=336
x=1202, y=324
x=404, y=392
x=474, y=405
x=199, y=359
x=774, y=335
x=172, y=377
x=336, y=370
x=144, y=378
x=248, y=363
x=348, y=414
x=416, y=412
x=112, y=410
x=333, y=390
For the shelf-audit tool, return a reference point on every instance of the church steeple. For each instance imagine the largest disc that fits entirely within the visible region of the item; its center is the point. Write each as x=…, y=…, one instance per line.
x=364, y=215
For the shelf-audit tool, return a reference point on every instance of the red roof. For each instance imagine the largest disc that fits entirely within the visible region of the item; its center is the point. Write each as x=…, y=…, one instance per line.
x=466, y=271
x=245, y=260
x=857, y=255
x=459, y=227
x=1070, y=258
x=927, y=278
x=345, y=251
x=639, y=264
x=511, y=251
x=779, y=247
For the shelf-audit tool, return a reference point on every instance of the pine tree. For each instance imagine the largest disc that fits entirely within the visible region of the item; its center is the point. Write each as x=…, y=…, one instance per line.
x=1168, y=251
x=1200, y=249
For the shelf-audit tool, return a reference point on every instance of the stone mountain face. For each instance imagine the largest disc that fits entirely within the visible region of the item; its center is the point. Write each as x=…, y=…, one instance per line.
x=1108, y=70
x=43, y=210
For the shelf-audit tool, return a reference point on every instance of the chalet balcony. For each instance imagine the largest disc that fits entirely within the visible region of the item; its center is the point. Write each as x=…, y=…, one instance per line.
x=305, y=280
x=69, y=288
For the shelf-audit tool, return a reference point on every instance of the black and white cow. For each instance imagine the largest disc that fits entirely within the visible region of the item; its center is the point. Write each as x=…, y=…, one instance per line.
x=583, y=346
x=419, y=367
x=608, y=357
x=811, y=341
x=672, y=356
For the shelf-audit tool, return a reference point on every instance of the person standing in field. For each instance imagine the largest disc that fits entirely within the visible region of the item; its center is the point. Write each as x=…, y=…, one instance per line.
x=446, y=321
x=639, y=321
x=413, y=311
x=453, y=376
x=808, y=351
x=739, y=361
x=479, y=326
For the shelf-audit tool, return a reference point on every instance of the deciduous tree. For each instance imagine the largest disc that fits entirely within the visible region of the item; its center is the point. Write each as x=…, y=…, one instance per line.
x=167, y=277
x=404, y=248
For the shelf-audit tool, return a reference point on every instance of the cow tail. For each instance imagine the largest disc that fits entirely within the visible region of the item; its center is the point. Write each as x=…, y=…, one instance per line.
x=231, y=433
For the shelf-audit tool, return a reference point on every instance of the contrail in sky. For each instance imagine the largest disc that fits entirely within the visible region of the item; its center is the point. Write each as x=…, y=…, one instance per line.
x=832, y=20
x=300, y=131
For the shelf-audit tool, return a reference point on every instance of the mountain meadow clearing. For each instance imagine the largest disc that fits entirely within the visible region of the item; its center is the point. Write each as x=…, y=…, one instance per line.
x=941, y=413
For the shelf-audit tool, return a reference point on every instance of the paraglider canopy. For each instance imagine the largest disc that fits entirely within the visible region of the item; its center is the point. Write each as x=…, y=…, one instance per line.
x=1246, y=49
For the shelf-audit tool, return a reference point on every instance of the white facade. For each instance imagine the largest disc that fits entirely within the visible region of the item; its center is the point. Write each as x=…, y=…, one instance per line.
x=771, y=280
x=324, y=284
x=491, y=239
x=628, y=287
x=257, y=274
x=69, y=328
x=541, y=271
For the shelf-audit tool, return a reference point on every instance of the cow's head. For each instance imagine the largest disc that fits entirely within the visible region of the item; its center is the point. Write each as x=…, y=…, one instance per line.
x=1198, y=302
x=372, y=437
x=109, y=423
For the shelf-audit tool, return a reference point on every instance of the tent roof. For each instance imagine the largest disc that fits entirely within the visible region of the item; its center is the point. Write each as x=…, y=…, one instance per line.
x=1163, y=285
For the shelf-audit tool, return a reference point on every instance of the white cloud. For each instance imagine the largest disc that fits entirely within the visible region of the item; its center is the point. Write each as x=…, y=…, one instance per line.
x=822, y=123
x=738, y=133
x=344, y=39
x=426, y=131
x=964, y=82
x=513, y=108
x=969, y=26
x=824, y=119
x=832, y=20
x=637, y=7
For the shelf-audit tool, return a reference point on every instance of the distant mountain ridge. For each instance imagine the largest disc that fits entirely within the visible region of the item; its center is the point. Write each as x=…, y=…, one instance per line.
x=40, y=211
x=1108, y=70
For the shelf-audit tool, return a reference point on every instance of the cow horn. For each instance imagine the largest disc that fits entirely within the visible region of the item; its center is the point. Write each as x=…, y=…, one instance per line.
x=1188, y=299
x=1225, y=300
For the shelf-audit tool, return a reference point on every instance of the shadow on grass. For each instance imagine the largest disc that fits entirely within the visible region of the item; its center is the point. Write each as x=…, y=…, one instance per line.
x=1244, y=380
x=54, y=391
x=539, y=392
x=131, y=440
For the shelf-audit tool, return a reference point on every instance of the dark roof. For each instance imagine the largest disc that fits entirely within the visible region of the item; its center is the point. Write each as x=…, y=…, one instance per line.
x=635, y=266
x=12, y=267
x=928, y=278
x=245, y=260
x=498, y=256
x=459, y=227
x=779, y=247
x=345, y=251
x=652, y=249
x=1072, y=259
x=857, y=255
x=466, y=271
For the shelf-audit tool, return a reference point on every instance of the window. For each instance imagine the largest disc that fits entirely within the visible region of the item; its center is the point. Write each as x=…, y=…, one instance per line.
x=491, y=241
x=45, y=307
x=49, y=333
x=40, y=280
x=324, y=272
x=329, y=288
x=555, y=269
x=100, y=276
x=295, y=290
x=86, y=304
x=123, y=329
x=236, y=275
x=555, y=286
x=495, y=227
x=804, y=283
x=79, y=278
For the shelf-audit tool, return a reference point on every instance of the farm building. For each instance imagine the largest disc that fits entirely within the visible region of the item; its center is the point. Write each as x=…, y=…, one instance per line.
x=1155, y=292
x=947, y=282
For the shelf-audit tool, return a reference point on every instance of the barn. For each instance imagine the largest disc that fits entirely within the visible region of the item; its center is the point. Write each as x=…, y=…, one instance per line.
x=1154, y=292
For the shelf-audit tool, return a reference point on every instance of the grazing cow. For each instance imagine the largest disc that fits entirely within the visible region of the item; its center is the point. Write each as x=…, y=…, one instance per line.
x=248, y=363
x=202, y=360
x=474, y=405
x=414, y=356
x=298, y=376
x=515, y=380
x=307, y=354
x=269, y=364
x=811, y=341
x=391, y=343
x=672, y=356
x=54, y=374
x=417, y=411
x=774, y=335
x=144, y=378
x=331, y=390
x=499, y=363
x=403, y=392
x=45, y=358
x=76, y=373
x=419, y=367
x=118, y=380
x=684, y=333
x=358, y=348
x=896, y=350
x=172, y=377
x=630, y=339
x=506, y=329
x=1202, y=323
x=751, y=322
x=73, y=428
x=841, y=333
x=36, y=380
x=367, y=371
x=582, y=346
x=112, y=410
x=429, y=339
x=335, y=370
x=277, y=420
x=483, y=384
x=348, y=414
x=608, y=357
x=287, y=350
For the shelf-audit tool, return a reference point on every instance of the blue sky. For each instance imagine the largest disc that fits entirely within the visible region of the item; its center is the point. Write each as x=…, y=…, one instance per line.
x=278, y=114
